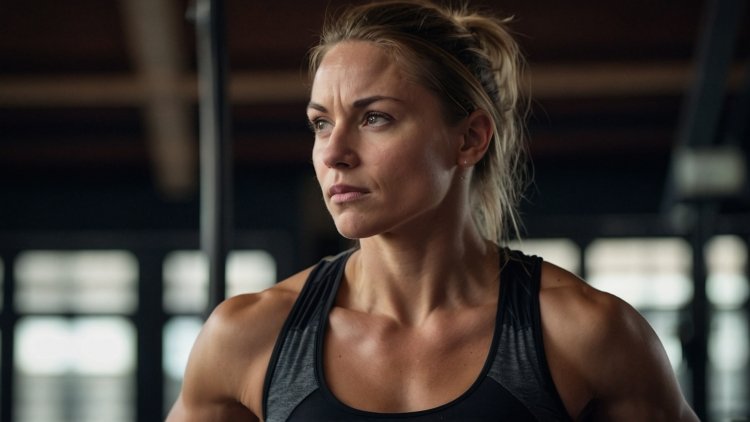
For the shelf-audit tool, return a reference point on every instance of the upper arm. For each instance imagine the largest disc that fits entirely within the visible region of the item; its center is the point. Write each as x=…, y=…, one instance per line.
x=604, y=355
x=213, y=382
x=207, y=411
x=227, y=365
x=631, y=375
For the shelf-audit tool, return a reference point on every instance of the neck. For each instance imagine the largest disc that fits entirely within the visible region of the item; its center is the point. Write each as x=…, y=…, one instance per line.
x=407, y=277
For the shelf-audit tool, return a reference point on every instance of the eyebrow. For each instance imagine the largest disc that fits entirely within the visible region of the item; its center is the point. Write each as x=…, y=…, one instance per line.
x=361, y=103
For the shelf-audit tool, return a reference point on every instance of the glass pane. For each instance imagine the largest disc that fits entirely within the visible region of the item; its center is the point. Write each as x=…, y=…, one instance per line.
x=647, y=273
x=562, y=252
x=728, y=365
x=186, y=277
x=79, y=369
x=728, y=347
x=83, y=281
x=250, y=271
x=185, y=282
x=42, y=346
x=179, y=335
x=102, y=346
x=726, y=260
x=727, y=289
x=666, y=325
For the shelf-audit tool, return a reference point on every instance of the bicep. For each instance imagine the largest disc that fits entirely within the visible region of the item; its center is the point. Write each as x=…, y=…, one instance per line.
x=199, y=411
x=213, y=377
x=227, y=365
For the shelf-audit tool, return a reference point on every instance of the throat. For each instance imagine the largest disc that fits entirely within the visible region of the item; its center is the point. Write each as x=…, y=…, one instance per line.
x=412, y=294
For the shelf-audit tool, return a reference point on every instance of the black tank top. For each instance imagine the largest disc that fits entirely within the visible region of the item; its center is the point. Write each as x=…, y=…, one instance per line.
x=514, y=385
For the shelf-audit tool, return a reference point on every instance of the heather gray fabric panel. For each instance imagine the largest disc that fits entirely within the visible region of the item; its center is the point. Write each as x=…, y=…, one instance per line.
x=295, y=378
x=520, y=365
x=291, y=371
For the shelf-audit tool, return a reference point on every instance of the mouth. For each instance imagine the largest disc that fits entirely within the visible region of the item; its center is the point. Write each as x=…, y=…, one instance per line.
x=340, y=193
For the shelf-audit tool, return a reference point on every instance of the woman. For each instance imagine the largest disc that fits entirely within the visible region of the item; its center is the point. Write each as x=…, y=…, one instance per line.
x=418, y=154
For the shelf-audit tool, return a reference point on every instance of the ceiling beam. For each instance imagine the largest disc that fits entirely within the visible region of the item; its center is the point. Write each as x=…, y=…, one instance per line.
x=544, y=81
x=155, y=41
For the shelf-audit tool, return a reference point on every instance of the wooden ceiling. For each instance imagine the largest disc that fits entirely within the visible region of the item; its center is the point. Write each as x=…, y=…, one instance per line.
x=90, y=88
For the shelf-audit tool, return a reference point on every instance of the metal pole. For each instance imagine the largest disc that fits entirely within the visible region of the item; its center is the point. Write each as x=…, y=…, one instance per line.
x=698, y=127
x=7, y=337
x=703, y=103
x=149, y=322
x=700, y=311
x=215, y=143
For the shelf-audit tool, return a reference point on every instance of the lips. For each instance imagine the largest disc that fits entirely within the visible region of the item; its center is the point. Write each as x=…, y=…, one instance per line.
x=341, y=193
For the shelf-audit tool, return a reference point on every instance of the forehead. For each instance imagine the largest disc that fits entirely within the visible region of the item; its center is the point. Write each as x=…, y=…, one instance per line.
x=359, y=68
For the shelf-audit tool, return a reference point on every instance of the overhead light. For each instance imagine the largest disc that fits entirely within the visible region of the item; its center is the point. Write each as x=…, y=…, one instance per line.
x=709, y=172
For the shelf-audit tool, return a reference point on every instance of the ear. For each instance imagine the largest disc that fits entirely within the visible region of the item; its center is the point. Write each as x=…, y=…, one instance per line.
x=477, y=134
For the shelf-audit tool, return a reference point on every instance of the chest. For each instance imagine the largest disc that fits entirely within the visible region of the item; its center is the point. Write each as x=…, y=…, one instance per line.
x=374, y=365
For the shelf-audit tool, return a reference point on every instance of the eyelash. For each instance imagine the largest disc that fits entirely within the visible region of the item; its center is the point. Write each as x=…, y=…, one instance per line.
x=313, y=124
x=375, y=114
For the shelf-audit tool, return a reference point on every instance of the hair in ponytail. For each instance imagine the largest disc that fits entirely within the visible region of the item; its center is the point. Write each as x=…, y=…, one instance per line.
x=470, y=61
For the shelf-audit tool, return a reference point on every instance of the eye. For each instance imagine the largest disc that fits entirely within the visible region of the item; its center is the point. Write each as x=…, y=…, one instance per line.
x=376, y=119
x=319, y=125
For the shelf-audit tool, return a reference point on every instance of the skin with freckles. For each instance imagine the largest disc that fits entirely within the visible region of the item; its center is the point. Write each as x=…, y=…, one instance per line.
x=414, y=317
x=369, y=137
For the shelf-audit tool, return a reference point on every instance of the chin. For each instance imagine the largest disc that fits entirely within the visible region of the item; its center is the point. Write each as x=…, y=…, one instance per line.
x=353, y=234
x=355, y=230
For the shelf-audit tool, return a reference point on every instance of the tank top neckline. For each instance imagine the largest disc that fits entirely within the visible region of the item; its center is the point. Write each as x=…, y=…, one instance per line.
x=483, y=374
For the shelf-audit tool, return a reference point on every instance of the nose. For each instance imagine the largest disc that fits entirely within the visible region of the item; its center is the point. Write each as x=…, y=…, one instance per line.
x=340, y=149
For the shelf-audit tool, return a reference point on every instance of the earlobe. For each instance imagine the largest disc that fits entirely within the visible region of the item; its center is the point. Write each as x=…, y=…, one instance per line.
x=478, y=131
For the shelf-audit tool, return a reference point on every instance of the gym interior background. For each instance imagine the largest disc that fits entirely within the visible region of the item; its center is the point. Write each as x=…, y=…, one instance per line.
x=638, y=134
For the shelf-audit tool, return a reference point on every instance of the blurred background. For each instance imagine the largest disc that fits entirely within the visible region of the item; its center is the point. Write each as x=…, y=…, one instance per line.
x=638, y=135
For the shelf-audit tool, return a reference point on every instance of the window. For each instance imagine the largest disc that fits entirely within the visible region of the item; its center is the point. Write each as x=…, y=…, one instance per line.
x=727, y=290
x=647, y=273
x=186, y=278
x=179, y=335
x=82, y=281
x=75, y=368
x=726, y=260
x=78, y=369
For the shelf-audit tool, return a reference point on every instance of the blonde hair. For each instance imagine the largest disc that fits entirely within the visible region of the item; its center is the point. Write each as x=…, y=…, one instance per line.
x=470, y=61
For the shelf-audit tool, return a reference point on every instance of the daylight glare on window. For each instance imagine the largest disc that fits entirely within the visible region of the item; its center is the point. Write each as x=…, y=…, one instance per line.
x=186, y=277
x=79, y=281
x=647, y=273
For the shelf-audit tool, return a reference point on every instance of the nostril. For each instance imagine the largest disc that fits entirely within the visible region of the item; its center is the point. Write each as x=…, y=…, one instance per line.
x=344, y=160
x=338, y=165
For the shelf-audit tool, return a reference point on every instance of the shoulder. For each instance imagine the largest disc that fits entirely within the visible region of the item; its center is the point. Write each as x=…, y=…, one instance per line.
x=237, y=316
x=245, y=327
x=594, y=324
x=587, y=321
x=250, y=322
x=608, y=355
x=227, y=364
x=584, y=308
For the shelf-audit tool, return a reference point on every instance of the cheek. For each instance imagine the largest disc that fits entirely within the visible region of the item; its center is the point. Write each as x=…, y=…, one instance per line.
x=408, y=171
x=318, y=165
